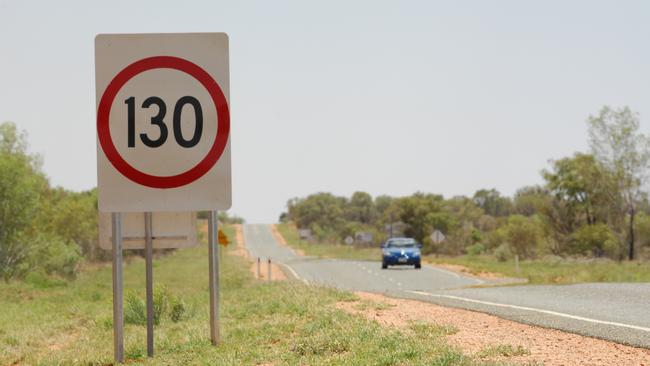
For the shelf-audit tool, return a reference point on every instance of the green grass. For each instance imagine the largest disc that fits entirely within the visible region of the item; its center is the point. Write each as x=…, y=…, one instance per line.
x=503, y=350
x=262, y=323
x=559, y=271
x=327, y=250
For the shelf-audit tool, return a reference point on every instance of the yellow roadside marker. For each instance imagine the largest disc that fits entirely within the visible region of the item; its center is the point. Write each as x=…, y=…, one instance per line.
x=223, y=239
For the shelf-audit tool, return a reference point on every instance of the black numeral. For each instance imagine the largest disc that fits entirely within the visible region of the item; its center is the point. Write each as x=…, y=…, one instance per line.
x=131, y=120
x=198, y=128
x=157, y=120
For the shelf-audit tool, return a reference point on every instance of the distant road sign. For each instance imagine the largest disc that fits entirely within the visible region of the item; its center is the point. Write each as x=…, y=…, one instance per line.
x=304, y=234
x=169, y=230
x=163, y=122
x=349, y=240
x=437, y=237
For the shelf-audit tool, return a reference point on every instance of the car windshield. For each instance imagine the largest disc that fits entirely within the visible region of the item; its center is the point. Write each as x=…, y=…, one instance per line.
x=401, y=243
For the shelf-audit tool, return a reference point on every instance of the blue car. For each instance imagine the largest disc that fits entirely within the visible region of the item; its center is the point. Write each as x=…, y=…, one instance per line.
x=401, y=251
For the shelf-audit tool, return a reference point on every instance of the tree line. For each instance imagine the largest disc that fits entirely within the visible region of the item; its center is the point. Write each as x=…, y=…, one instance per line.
x=592, y=203
x=45, y=231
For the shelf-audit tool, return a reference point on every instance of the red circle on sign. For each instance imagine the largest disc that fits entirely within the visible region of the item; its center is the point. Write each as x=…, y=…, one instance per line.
x=188, y=176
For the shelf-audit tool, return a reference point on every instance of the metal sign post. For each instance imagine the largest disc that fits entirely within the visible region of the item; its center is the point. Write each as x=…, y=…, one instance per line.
x=118, y=289
x=213, y=258
x=148, y=239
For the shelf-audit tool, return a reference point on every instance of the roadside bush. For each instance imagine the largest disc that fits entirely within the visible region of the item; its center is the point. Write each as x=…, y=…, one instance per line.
x=524, y=235
x=593, y=239
x=475, y=249
x=642, y=223
x=135, y=310
x=160, y=301
x=503, y=252
x=56, y=256
x=494, y=238
x=39, y=279
x=459, y=240
x=21, y=185
x=42, y=229
x=164, y=304
x=177, y=309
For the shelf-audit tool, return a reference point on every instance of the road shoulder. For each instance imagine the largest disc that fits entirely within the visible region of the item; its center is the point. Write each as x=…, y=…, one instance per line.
x=491, y=337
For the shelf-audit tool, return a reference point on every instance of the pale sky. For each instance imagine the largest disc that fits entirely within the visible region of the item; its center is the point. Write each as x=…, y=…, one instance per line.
x=388, y=97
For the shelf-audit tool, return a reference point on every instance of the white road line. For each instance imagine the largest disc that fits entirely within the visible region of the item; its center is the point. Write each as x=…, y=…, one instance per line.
x=295, y=274
x=479, y=281
x=549, y=312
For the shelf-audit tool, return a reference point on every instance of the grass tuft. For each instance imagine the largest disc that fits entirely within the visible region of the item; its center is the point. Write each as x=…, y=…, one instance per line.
x=135, y=310
x=502, y=350
x=429, y=330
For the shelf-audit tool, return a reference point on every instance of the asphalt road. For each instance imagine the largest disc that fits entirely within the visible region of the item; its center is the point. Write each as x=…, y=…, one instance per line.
x=614, y=311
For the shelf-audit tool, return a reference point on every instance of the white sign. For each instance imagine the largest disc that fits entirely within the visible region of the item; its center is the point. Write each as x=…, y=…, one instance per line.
x=437, y=237
x=169, y=230
x=349, y=240
x=304, y=234
x=163, y=122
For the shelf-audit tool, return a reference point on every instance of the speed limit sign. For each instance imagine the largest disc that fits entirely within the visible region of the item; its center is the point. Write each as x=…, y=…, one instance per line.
x=163, y=122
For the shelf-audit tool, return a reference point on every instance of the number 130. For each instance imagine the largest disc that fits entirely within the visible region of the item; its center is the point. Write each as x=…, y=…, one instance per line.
x=158, y=121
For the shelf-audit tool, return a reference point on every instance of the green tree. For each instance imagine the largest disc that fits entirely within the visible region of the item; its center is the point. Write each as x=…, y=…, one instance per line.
x=616, y=141
x=21, y=187
x=491, y=201
x=523, y=234
x=227, y=218
x=320, y=212
x=382, y=203
x=596, y=239
x=530, y=200
x=584, y=184
x=360, y=208
x=422, y=213
x=72, y=216
x=463, y=210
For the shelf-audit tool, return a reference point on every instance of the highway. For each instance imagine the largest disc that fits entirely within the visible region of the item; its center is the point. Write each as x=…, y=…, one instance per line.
x=612, y=311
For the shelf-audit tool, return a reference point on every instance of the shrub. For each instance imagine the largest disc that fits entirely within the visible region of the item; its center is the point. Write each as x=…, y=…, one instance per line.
x=160, y=300
x=57, y=256
x=502, y=253
x=39, y=279
x=524, y=235
x=135, y=311
x=593, y=239
x=177, y=309
x=475, y=249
